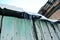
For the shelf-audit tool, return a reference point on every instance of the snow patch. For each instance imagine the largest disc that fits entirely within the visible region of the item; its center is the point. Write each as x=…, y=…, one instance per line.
x=11, y=7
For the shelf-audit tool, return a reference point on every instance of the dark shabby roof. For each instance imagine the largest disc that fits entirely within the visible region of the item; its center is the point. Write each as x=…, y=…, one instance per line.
x=25, y=15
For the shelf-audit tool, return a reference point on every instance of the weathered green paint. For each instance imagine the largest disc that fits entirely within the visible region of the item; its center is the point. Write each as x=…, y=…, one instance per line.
x=0, y=26
x=16, y=29
x=0, y=20
x=22, y=29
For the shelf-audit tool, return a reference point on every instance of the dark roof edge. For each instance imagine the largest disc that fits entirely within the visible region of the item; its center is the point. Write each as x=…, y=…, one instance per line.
x=24, y=15
x=13, y=13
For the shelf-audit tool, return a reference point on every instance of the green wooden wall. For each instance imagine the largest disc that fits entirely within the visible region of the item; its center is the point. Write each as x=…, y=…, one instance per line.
x=22, y=29
x=16, y=29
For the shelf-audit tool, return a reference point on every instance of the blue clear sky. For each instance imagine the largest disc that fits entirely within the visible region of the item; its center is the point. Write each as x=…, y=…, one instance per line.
x=27, y=5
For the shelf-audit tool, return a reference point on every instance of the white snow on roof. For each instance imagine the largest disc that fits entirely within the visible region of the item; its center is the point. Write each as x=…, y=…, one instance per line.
x=21, y=10
x=11, y=7
x=43, y=17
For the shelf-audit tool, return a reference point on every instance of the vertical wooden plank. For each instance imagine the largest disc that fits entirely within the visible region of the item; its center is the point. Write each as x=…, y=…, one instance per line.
x=25, y=30
x=57, y=31
x=38, y=29
x=53, y=34
x=58, y=26
x=8, y=26
x=29, y=30
x=0, y=21
x=19, y=29
x=0, y=26
x=43, y=31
